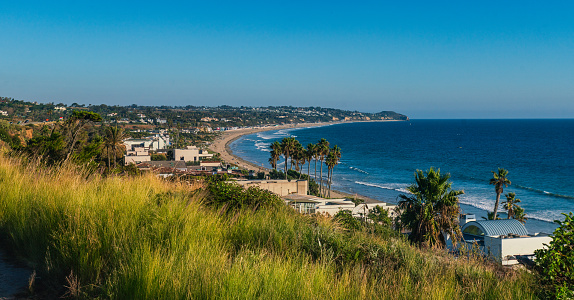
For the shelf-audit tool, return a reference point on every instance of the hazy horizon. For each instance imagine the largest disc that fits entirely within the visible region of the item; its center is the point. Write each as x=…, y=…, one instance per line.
x=438, y=60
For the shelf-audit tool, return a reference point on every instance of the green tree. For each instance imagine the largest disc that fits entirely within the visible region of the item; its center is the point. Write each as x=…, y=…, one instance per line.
x=287, y=148
x=431, y=210
x=275, y=154
x=74, y=126
x=556, y=262
x=322, y=152
x=520, y=215
x=499, y=181
x=331, y=161
x=113, y=143
x=380, y=215
x=511, y=204
x=309, y=155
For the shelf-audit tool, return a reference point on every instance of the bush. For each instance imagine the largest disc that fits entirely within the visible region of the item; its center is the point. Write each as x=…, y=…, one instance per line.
x=232, y=197
x=346, y=219
x=556, y=263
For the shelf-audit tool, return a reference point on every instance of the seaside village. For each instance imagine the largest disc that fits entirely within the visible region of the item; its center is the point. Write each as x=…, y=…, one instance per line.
x=505, y=240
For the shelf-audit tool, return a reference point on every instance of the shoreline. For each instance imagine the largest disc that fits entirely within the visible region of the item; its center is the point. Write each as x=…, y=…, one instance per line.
x=222, y=144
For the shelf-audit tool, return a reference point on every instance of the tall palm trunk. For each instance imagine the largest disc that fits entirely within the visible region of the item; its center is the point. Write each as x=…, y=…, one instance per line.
x=321, y=189
x=496, y=204
x=109, y=164
x=329, y=177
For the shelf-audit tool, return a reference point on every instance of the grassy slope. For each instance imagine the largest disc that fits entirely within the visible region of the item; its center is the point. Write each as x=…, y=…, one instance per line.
x=137, y=238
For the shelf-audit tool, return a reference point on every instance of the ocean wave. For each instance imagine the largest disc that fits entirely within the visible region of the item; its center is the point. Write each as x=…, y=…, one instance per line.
x=544, y=192
x=399, y=187
x=263, y=146
x=487, y=205
x=359, y=170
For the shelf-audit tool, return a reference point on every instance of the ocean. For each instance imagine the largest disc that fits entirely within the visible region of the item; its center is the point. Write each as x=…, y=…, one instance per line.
x=379, y=160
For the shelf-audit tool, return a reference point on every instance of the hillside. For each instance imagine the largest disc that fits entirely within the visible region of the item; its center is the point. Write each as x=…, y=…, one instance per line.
x=146, y=238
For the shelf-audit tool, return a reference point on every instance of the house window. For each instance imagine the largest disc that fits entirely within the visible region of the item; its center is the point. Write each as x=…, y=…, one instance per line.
x=473, y=230
x=181, y=158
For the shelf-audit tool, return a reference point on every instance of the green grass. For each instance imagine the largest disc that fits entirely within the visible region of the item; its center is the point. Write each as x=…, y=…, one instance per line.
x=145, y=238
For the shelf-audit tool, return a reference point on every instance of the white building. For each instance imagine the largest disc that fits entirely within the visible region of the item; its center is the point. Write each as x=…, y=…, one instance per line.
x=503, y=240
x=156, y=142
x=192, y=153
x=4, y=113
x=136, y=155
x=311, y=204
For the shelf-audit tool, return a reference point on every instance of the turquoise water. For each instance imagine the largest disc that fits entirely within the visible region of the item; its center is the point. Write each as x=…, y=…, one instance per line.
x=380, y=158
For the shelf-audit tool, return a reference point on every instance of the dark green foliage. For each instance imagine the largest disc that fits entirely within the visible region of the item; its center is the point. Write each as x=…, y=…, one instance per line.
x=556, y=263
x=380, y=215
x=91, y=151
x=431, y=209
x=159, y=157
x=260, y=175
x=499, y=180
x=233, y=197
x=50, y=149
x=346, y=219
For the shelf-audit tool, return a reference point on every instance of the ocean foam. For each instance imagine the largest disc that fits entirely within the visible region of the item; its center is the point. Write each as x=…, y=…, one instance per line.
x=399, y=187
x=359, y=170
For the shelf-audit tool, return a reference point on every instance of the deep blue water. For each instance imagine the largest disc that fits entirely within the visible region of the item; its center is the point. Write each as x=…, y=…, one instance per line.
x=379, y=159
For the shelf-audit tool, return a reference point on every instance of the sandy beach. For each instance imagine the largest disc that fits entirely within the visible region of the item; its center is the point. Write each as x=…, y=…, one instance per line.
x=221, y=145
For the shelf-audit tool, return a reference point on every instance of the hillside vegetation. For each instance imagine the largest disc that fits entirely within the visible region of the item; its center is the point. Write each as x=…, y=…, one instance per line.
x=115, y=237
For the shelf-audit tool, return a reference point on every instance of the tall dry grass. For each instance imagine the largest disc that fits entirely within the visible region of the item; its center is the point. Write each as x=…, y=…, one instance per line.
x=145, y=238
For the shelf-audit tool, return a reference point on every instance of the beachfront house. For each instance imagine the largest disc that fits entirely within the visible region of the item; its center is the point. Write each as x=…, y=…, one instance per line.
x=309, y=204
x=279, y=187
x=505, y=241
x=189, y=154
x=136, y=155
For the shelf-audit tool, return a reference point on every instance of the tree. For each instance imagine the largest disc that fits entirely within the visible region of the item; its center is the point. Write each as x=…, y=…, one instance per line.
x=275, y=154
x=520, y=215
x=322, y=152
x=431, y=210
x=555, y=263
x=74, y=125
x=113, y=143
x=499, y=181
x=309, y=155
x=287, y=148
x=490, y=216
x=332, y=160
x=510, y=204
x=380, y=215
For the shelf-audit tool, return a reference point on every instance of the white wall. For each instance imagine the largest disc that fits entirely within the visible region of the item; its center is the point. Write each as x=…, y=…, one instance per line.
x=502, y=248
x=136, y=159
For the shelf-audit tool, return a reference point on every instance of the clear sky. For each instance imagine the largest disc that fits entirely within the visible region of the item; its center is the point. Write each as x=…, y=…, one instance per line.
x=427, y=59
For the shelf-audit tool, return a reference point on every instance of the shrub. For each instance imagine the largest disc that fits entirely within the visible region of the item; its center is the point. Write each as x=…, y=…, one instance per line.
x=556, y=263
x=346, y=219
x=233, y=197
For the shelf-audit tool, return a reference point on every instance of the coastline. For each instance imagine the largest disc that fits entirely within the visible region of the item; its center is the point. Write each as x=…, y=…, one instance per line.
x=221, y=146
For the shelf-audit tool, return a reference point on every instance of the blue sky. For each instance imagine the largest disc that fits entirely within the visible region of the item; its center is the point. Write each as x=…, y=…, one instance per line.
x=432, y=59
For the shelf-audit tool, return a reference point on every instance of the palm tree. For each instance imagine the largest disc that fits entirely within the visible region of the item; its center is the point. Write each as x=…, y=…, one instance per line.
x=490, y=216
x=275, y=154
x=499, y=181
x=432, y=209
x=332, y=160
x=113, y=142
x=287, y=146
x=510, y=204
x=309, y=155
x=519, y=214
x=297, y=155
x=322, y=152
